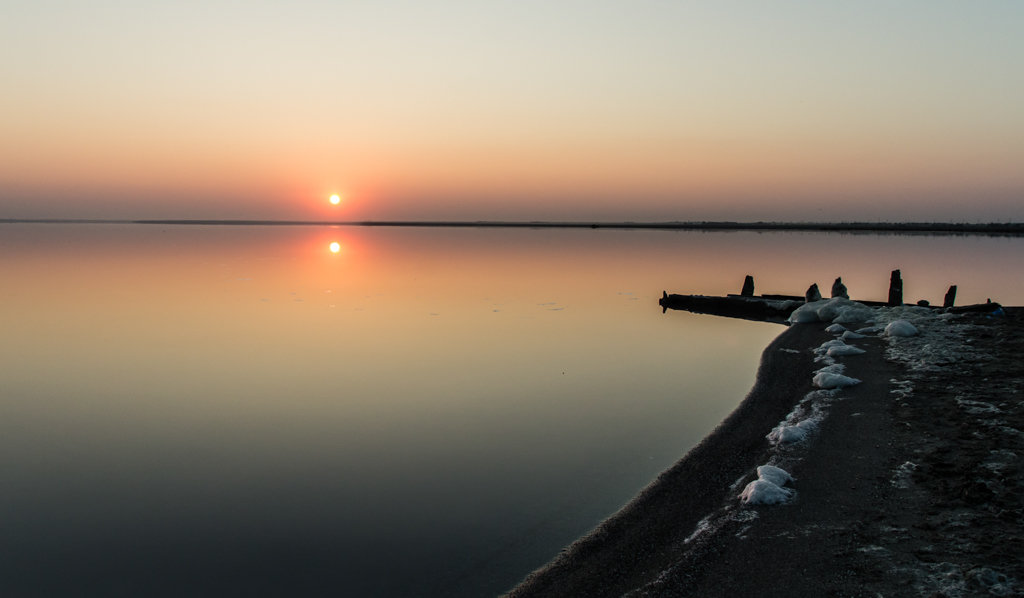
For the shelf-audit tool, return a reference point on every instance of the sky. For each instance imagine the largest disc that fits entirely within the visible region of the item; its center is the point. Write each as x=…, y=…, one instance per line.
x=519, y=110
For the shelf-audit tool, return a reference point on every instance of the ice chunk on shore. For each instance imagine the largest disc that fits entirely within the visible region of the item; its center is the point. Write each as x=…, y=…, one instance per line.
x=836, y=329
x=763, y=492
x=900, y=328
x=775, y=475
x=836, y=348
x=806, y=313
x=838, y=309
x=768, y=489
x=825, y=346
x=786, y=434
x=825, y=379
x=841, y=350
x=849, y=334
x=855, y=313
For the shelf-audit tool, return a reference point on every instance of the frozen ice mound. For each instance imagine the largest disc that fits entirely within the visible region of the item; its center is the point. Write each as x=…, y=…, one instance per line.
x=775, y=475
x=763, y=492
x=837, y=309
x=841, y=350
x=768, y=489
x=833, y=380
x=836, y=348
x=900, y=328
x=788, y=434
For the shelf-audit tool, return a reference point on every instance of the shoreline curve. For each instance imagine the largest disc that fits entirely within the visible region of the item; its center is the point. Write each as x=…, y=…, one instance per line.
x=632, y=547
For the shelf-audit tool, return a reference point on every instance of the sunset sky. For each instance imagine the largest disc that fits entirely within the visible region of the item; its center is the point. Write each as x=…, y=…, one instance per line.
x=572, y=110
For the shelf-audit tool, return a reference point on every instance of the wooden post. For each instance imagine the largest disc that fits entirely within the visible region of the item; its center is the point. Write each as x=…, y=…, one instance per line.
x=950, y=297
x=748, y=286
x=895, y=289
x=839, y=289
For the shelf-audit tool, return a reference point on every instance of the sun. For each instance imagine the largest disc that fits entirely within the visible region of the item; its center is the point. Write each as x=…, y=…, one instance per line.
x=334, y=247
x=335, y=199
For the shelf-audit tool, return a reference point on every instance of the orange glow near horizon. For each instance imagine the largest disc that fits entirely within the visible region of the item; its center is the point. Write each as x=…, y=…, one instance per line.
x=709, y=118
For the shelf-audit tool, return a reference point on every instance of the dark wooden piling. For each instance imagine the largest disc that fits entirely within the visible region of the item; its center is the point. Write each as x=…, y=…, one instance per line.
x=748, y=286
x=950, y=297
x=895, y=289
x=839, y=289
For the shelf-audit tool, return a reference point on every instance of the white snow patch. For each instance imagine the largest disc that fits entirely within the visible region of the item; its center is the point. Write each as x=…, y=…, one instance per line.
x=775, y=475
x=821, y=352
x=768, y=489
x=806, y=313
x=830, y=380
x=790, y=433
x=835, y=348
x=900, y=328
x=804, y=418
x=702, y=526
x=901, y=477
x=840, y=351
x=837, y=309
x=854, y=314
x=903, y=389
x=763, y=492
x=825, y=346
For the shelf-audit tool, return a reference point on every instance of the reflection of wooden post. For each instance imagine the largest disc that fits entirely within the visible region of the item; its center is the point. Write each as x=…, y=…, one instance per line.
x=950, y=297
x=895, y=289
x=748, y=286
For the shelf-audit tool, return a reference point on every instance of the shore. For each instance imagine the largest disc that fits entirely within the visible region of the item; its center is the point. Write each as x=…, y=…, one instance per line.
x=909, y=483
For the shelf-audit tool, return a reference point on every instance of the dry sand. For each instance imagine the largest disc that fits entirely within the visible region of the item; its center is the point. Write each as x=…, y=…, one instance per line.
x=911, y=485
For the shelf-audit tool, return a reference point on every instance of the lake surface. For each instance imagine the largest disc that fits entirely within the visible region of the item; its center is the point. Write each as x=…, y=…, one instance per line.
x=307, y=411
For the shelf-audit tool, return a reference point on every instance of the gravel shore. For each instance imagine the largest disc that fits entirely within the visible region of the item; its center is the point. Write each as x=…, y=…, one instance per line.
x=907, y=484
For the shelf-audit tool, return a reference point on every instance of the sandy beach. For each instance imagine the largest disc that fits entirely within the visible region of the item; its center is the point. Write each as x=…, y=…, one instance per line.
x=906, y=484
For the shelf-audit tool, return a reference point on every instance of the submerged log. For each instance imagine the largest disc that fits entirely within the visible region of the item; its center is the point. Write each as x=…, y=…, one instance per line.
x=734, y=306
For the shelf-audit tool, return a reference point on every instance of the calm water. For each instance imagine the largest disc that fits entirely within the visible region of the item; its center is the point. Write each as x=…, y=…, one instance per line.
x=424, y=412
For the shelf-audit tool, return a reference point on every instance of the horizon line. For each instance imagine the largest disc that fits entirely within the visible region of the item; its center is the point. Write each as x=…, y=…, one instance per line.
x=1015, y=228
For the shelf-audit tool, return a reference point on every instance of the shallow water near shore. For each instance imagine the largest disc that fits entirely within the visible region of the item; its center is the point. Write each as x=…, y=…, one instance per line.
x=330, y=411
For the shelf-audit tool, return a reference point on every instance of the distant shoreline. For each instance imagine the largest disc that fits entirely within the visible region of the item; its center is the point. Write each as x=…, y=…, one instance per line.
x=991, y=228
